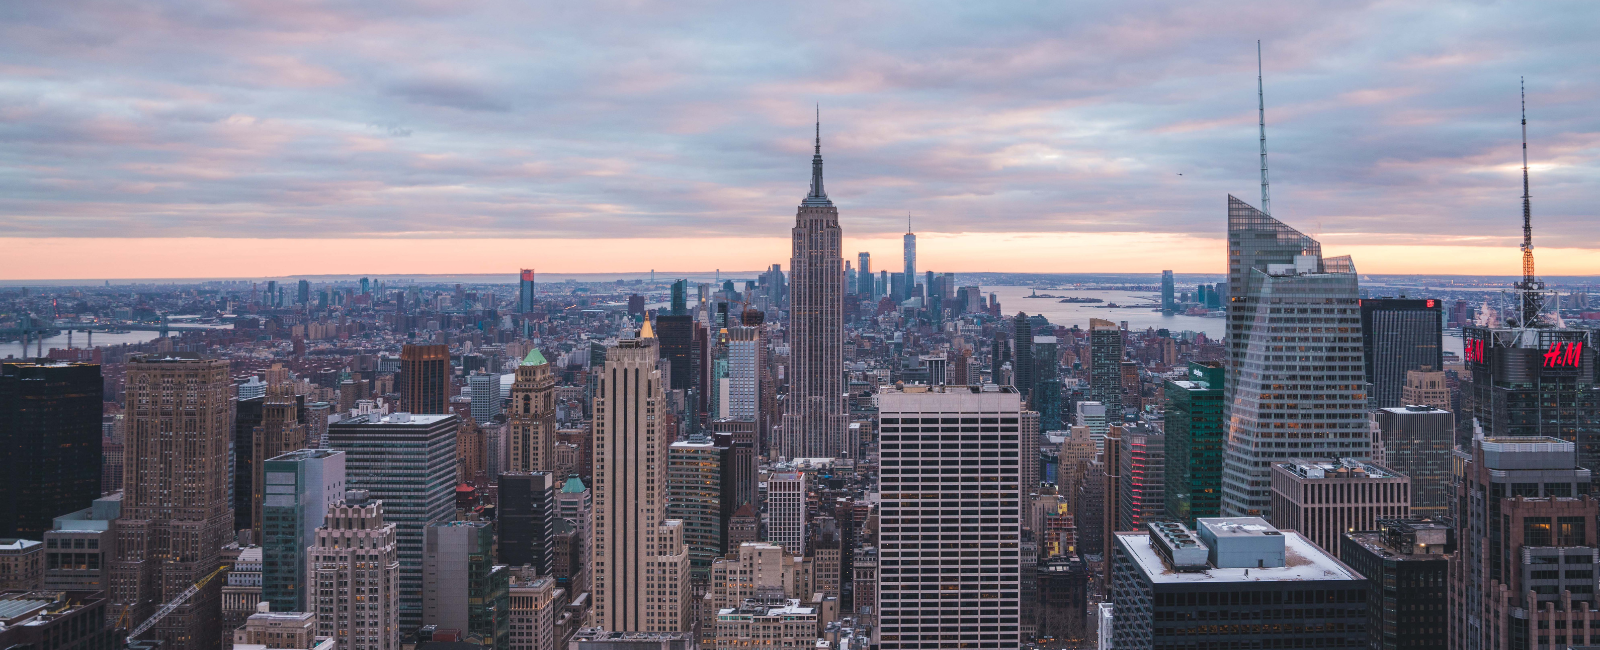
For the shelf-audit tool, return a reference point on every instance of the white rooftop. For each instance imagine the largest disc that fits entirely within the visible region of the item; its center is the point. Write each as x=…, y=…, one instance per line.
x=1303, y=560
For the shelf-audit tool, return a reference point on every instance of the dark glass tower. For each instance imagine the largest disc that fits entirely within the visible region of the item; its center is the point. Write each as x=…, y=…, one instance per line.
x=50, y=441
x=1195, y=437
x=426, y=383
x=526, y=519
x=1399, y=334
x=1024, y=364
x=676, y=334
x=1105, y=367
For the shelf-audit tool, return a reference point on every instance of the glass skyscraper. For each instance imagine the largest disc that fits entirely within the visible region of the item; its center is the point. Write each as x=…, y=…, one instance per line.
x=300, y=487
x=1399, y=334
x=1297, y=381
x=1195, y=436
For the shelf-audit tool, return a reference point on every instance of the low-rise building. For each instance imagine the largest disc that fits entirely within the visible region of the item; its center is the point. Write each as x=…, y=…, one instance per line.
x=267, y=629
x=21, y=564
x=767, y=624
x=59, y=620
x=1323, y=500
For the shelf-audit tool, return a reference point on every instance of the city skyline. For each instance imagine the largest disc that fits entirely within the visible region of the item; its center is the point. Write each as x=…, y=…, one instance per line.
x=1010, y=134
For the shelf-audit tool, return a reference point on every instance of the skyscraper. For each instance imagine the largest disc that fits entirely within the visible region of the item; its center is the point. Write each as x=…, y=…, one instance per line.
x=1194, y=429
x=744, y=373
x=465, y=589
x=864, y=277
x=425, y=379
x=408, y=462
x=695, y=482
x=1169, y=293
x=356, y=549
x=640, y=561
x=50, y=454
x=1023, y=365
x=911, y=262
x=532, y=420
x=280, y=432
x=1324, y=500
x=526, y=518
x=786, y=511
x=525, y=292
x=814, y=422
x=1418, y=442
x=1399, y=335
x=1142, y=494
x=676, y=344
x=303, y=296
x=1279, y=284
x=486, y=401
x=979, y=510
x=301, y=486
x=1105, y=367
x=175, y=509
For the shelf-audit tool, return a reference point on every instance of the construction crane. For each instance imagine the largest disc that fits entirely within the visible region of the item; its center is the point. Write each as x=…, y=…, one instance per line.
x=167, y=608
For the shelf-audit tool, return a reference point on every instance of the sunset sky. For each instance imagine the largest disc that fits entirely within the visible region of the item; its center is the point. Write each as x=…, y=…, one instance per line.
x=205, y=139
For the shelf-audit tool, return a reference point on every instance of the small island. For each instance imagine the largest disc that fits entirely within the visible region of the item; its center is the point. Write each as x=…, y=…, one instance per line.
x=1075, y=299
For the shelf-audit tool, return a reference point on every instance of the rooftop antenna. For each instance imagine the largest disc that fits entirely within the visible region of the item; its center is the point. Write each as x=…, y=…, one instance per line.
x=1261, y=97
x=1530, y=288
x=908, y=221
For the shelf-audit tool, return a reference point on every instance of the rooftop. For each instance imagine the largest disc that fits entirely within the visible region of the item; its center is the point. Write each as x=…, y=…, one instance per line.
x=19, y=544
x=1344, y=468
x=1303, y=561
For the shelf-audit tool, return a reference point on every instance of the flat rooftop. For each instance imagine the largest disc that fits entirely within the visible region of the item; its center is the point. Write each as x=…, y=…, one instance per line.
x=1303, y=561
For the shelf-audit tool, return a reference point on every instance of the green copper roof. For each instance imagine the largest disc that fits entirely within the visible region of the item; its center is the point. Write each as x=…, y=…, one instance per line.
x=534, y=358
x=573, y=485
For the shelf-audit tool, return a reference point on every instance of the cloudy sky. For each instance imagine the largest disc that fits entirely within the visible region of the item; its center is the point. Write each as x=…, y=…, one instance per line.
x=272, y=137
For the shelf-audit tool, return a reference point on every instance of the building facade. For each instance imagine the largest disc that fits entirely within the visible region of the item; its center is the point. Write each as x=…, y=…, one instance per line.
x=526, y=516
x=463, y=588
x=1418, y=442
x=1195, y=432
x=1407, y=565
x=786, y=511
x=1142, y=495
x=300, y=486
x=1323, y=500
x=532, y=420
x=355, y=568
x=1399, y=335
x=1105, y=367
x=50, y=443
x=425, y=379
x=1536, y=382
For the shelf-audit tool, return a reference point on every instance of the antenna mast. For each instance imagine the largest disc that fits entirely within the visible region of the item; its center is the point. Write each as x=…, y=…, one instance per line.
x=1530, y=288
x=1261, y=97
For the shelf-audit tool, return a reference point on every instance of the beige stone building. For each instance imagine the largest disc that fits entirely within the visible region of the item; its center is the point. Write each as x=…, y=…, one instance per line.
x=532, y=418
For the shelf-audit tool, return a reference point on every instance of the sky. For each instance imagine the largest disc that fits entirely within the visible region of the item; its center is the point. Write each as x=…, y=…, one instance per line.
x=270, y=138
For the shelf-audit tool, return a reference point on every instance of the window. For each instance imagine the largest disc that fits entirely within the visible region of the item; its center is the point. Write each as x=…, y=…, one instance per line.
x=1536, y=531
x=1570, y=531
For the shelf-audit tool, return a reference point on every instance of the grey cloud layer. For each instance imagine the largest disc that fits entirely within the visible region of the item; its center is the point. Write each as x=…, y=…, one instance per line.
x=1388, y=122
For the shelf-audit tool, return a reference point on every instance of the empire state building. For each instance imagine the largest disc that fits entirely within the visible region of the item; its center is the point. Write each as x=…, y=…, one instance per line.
x=814, y=420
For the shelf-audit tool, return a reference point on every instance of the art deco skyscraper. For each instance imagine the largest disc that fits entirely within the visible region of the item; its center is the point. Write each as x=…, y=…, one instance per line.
x=814, y=424
x=356, y=552
x=533, y=416
x=176, y=514
x=640, y=561
x=1296, y=381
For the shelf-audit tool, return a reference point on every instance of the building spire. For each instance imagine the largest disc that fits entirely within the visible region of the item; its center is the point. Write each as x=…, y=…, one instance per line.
x=1261, y=98
x=1530, y=288
x=817, y=197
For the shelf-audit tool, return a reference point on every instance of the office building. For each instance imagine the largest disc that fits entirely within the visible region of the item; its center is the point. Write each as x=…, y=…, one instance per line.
x=408, y=462
x=50, y=443
x=22, y=563
x=1425, y=388
x=1195, y=437
x=532, y=420
x=81, y=546
x=1536, y=382
x=1323, y=500
x=288, y=630
x=1526, y=527
x=1399, y=335
x=970, y=535
x=1279, y=283
x=241, y=592
x=695, y=496
x=676, y=344
x=1407, y=566
x=425, y=379
x=1142, y=495
x=175, y=496
x=786, y=511
x=814, y=421
x=357, y=553
x=745, y=360
x=1023, y=360
x=864, y=277
x=280, y=431
x=486, y=400
x=1029, y=451
x=463, y=588
x=767, y=623
x=911, y=264
x=526, y=294
x=1418, y=442
x=527, y=516
x=1105, y=367
x=534, y=600
x=1233, y=581
x=59, y=620
x=1169, y=294
x=1062, y=599
x=752, y=570
x=1092, y=414
x=639, y=561
x=300, y=486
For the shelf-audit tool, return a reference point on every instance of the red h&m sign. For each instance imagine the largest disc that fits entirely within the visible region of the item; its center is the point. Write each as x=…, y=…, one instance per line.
x=1564, y=355
x=1474, y=350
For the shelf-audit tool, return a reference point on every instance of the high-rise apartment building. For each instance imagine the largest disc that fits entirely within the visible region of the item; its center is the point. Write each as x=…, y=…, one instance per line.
x=408, y=462
x=695, y=496
x=814, y=421
x=1399, y=335
x=639, y=560
x=1105, y=367
x=354, y=566
x=300, y=487
x=1143, y=472
x=1323, y=500
x=864, y=277
x=1526, y=574
x=1425, y=388
x=281, y=431
x=1418, y=442
x=486, y=400
x=463, y=588
x=425, y=379
x=527, y=517
x=531, y=423
x=786, y=511
x=1023, y=365
x=50, y=443
x=1294, y=343
x=1194, y=435
x=1272, y=587
x=525, y=292
x=1407, y=566
x=969, y=533
x=176, y=514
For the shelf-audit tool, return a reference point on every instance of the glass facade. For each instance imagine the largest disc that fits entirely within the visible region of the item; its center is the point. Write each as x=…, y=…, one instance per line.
x=1194, y=427
x=1399, y=334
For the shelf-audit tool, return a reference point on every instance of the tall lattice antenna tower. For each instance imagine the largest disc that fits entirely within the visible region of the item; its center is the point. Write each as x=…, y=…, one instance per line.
x=1530, y=289
x=1261, y=98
